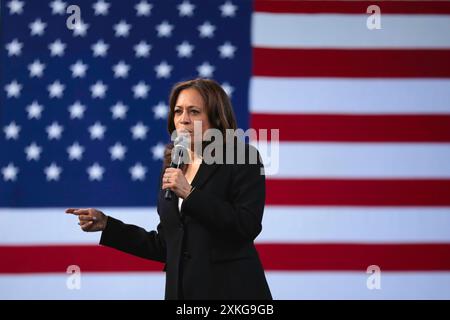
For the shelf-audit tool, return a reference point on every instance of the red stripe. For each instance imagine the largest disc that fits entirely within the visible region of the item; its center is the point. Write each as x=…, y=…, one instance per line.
x=355, y=128
x=358, y=192
x=308, y=257
x=352, y=7
x=351, y=63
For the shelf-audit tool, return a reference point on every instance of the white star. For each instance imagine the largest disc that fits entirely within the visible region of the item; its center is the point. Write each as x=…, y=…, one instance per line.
x=10, y=172
x=36, y=69
x=227, y=50
x=160, y=110
x=206, y=30
x=34, y=110
x=164, y=29
x=158, y=151
x=14, y=48
x=122, y=29
x=121, y=70
x=15, y=6
x=100, y=48
x=58, y=7
x=13, y=89
x=80, y=28
x=54, y=131
x=139, y=131
x=185, y=50
x=186, y=9
x=228, y=89
x=98, y=90
x=138, y=172
x=97, y=131
x=78, y=69
x=228, y=9
x=205, y=70
x=56, y=89
x=76, y=110
x=12, y=131
x=95, y=172
x=141, y=90
x=37, y=27
x=33, y=152
x=101, y=8
x=142, y=49
x=143, y=8
x=75, y=151
x=117, y=151
x=119, y=110
x=57, y=48
x=163, y=70
x=52, y=172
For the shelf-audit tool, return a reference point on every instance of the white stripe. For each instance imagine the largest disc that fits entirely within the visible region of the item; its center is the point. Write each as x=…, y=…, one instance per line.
x=360, y=96
x=349, y=31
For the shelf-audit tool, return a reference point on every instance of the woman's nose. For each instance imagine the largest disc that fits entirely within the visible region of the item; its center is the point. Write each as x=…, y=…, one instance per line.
x=185, y=118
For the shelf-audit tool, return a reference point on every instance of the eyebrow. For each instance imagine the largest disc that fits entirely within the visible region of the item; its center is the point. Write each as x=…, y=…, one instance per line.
x=188, y=107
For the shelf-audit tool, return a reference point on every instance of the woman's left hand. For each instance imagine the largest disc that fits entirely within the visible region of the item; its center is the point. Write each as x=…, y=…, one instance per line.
x=175, y=180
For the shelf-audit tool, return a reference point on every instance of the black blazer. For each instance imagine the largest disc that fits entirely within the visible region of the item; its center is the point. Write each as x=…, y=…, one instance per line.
x=208, y=247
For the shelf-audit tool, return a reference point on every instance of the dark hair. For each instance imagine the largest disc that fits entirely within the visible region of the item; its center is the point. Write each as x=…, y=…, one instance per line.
x=217, y=104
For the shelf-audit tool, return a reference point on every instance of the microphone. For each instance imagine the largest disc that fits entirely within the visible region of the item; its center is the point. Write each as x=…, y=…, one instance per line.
x=179, y=152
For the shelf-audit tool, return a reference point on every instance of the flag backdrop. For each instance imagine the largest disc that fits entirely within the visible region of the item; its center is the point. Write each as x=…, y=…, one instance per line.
x=364, y=154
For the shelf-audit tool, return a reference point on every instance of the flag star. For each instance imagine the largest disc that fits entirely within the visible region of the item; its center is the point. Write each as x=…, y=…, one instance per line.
x=160, y=110
x=117, y=151
x=97, y=131
x=139, y=131
x=121, y=70
x=78, y=69
x=54, y=131
x=53, y=172
x=57, y=48
x=75, y=151
x=58, y=7
x=100, y=48
x=15, y=6
x=185, y=50
x=10, y=172
x=142, y=49
x=37, y=27
x=164, y=29
x=138, y=172
x=80, y=28
x=228, y=89
x=206, y=30
x=33, y=151
x=99, y=90
x=101, y=8
x=13, y=89
x=34, y=110
x=36, y=69
x=227, y=50
x=56, y=89
x=143, y=8
x=12, y=131
x=140, y=90
x=163, y=70
x=95, y=172
x=122, y=29
x=186, y=9
x=14, y=48
x=228, y=9
x=76, y=110
x=119, y=110
x=158, y=151
x=205, y=70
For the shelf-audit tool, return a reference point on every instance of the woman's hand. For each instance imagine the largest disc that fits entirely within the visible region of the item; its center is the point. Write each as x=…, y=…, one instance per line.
x=175, y=180
x=91, y=220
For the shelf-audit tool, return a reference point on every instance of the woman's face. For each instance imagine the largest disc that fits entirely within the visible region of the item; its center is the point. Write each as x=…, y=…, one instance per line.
x=189, y=108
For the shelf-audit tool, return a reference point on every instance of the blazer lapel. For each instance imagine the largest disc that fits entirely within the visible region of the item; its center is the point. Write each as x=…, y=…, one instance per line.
x=205, y=171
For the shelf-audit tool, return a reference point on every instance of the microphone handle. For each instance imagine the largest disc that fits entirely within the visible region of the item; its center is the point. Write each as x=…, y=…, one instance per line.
x=168, y=193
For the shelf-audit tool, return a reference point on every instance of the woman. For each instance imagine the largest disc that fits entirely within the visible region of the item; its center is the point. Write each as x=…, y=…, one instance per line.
x=206, y=231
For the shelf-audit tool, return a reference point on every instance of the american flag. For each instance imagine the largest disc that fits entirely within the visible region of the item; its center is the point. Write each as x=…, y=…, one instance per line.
x=364, y=158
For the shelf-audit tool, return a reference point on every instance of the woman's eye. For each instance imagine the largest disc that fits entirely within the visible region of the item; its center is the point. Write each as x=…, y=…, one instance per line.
x=195, y=111
x=177, y=111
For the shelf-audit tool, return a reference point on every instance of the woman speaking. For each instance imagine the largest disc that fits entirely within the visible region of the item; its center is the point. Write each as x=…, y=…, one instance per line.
x=207, y=228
